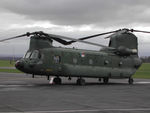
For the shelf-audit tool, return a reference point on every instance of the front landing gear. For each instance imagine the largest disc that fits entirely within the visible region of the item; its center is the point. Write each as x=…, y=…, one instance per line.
x=57, y=80
x=80, y=81
x=130, y=81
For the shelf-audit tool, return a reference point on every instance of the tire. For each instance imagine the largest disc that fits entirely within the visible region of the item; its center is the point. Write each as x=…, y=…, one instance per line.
x=131, y=81
x=57, y=80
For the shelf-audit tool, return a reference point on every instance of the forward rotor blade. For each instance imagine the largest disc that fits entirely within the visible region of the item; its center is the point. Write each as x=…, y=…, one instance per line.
x=60, y=40
x=13, y=37
x=92, y=36
x=77, y=40
x=57, y=38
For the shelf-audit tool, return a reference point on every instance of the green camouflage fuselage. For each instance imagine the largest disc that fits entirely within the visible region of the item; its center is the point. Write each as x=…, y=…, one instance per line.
x=85, y=63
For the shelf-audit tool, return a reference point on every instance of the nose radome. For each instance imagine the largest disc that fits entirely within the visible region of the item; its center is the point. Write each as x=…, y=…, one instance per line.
x=19, y=65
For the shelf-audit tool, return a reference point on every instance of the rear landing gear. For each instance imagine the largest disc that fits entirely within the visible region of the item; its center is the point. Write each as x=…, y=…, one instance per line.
x=130, y=81
x=57, y=80
x=80, y=81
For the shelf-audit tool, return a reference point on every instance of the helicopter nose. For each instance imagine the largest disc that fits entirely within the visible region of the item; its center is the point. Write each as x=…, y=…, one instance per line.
x=19, y=65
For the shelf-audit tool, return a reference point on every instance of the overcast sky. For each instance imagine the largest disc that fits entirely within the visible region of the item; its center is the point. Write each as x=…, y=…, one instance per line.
x=72, y=18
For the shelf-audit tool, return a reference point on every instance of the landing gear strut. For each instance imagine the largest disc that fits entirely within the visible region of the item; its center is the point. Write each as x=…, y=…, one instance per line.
x=80, y=81
x=32, y=75
x=130, y=81
x=57, y=80
x=47, y=77
x=69, y=78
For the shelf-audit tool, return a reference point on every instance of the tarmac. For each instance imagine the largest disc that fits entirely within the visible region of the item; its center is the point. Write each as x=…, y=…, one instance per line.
x=20, y=93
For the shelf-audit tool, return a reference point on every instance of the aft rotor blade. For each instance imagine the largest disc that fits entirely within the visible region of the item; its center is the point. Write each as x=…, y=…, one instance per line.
x=77, y=40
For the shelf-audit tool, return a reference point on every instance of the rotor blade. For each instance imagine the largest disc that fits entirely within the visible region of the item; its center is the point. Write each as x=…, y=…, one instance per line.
x=108, y=36
x=77, y=40
x=60, y=40
x=13, y=37
x=92, y=36
x=56, y=38
x=26, y=34
x=132, y=30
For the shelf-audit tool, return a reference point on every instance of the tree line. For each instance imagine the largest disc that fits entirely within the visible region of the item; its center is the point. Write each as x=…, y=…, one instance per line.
x=145, y=59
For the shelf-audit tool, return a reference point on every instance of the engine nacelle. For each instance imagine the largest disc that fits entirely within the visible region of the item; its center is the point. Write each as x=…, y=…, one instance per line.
x=126, y=51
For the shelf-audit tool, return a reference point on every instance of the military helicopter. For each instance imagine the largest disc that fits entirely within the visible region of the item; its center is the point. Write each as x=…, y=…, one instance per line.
x=117, y=60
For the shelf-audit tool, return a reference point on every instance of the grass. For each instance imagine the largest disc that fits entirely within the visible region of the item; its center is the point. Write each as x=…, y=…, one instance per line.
x=10, y=70
x=142, y=72
x=7, y=63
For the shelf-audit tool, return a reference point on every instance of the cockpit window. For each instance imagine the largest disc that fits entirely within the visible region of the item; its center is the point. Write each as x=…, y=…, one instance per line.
x=27, y=55
x=35, y=54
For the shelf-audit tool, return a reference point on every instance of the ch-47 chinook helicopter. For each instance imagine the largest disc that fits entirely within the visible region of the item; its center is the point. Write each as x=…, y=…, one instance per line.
x=117, y=60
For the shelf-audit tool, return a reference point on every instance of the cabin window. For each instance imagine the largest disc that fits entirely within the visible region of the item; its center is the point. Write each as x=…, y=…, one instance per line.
x=106, y=62
x=57, y=59
x=90, y=61
x=75, y=60
x=120, y=63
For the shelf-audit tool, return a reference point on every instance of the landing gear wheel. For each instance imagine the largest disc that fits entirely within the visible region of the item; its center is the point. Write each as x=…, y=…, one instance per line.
x=105, y=80
x=80, y=81
x=130, y=81
x=57, y=80
x=99, y=79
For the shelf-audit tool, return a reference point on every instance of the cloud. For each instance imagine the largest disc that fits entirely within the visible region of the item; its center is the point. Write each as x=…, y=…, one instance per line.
x=77, y=12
